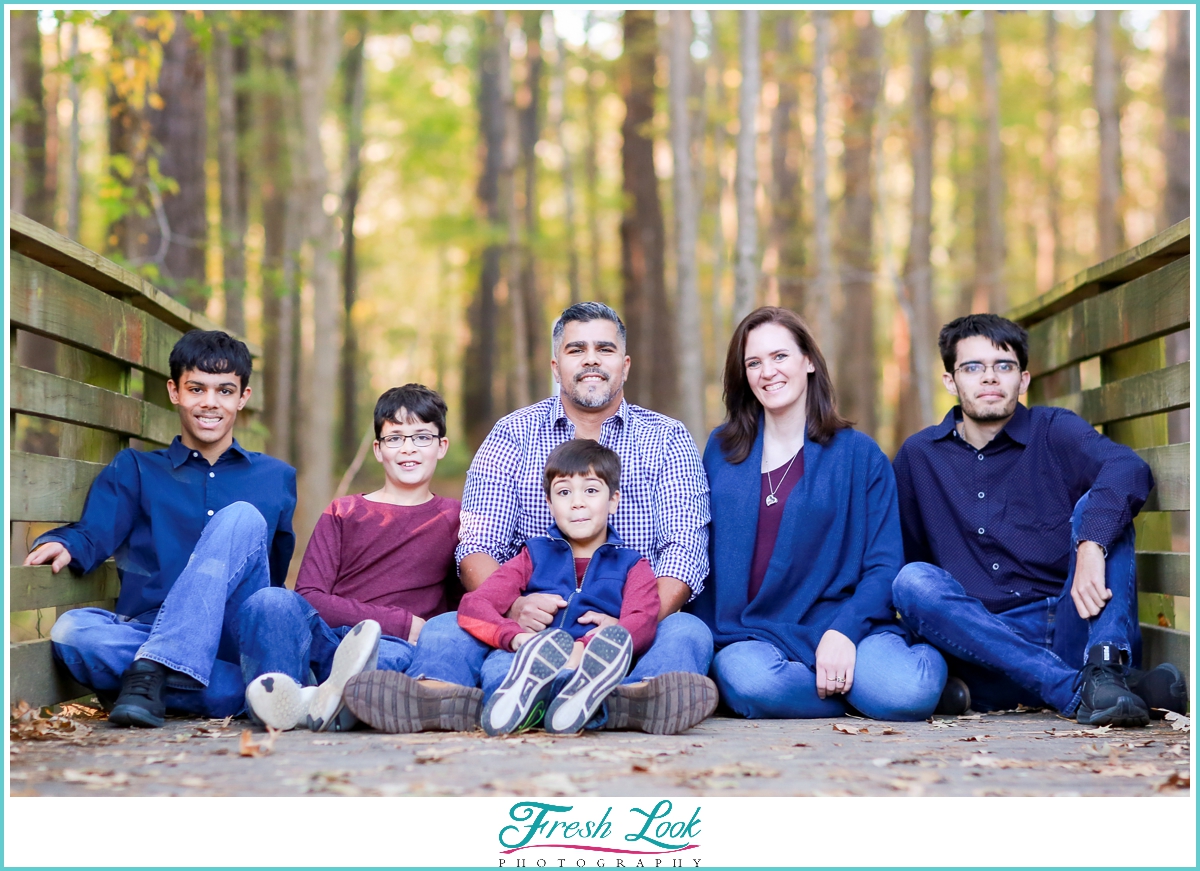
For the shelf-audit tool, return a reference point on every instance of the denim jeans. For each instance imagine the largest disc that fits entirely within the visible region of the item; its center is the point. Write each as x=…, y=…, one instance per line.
x=892, y=681
x=281, y=632
x=1031, y=654
x=447, y=652
x=193, y=632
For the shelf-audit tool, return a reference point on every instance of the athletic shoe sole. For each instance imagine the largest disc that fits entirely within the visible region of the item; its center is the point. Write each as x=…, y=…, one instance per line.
x=134, y=715
x=515, y=706
x=1128, y=711
x=665, y=705
x=358, y=652
x=393, y=702
x=605, y=663
x=278, y=701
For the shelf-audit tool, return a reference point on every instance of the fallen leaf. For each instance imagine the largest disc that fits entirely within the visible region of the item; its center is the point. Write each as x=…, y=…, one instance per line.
x=975, y=738
x=323, y=743
x=248, y=747
x=98, y=778
x=1178, y=722
x=1146, y=769
x=1177, y=780
x=194, y=782
x=436, y=754
x=1098, y=732
x=970, y=717
x=939, y=724
x=850, y=730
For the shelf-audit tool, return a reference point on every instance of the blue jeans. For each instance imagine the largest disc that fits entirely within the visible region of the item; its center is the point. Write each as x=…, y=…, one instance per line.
x=281, y=632
x=193, y=632
x=447, y=652
x=892, y=681
x=1032, y=654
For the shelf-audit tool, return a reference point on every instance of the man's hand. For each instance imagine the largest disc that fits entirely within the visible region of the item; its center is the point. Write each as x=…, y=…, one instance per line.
x=600, y=620
x=51, y=550
x=536, y=611
x=1088, y=590
x=414, y=630
x=835, y=659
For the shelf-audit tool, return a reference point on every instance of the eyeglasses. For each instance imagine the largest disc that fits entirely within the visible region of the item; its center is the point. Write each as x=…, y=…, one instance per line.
x=420, y=440
x=1003, y=367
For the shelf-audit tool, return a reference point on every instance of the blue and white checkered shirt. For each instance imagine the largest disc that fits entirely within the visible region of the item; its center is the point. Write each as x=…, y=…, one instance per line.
x=663, y=513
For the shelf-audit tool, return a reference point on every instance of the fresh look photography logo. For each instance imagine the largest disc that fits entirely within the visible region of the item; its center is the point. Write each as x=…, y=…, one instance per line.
x=637, y=837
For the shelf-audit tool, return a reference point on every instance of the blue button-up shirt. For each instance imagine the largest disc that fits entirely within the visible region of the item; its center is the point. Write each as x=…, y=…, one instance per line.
x=148, y=509
x=999, y=519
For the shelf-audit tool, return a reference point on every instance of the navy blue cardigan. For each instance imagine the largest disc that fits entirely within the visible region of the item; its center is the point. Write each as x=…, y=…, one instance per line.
x=838, y=550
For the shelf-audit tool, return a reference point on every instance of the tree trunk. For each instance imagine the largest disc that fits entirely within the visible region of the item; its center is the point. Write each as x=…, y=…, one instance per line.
x=557, y=109
x=315, y=42
x=691, y=362
x=518, y=382
x=1106, y=76
x=175, y=237
x=745, y=286
x=530, y=111
x=785, y=173
x=990, y=290
x=720, y=326
x=352, y=102
x=1177, y=198
x=592, y=170
x=73, y=196
x=916, y=396
x=233, y=230
x=652, y=379
x=278, y=290
x=479, y=361
x=822, y=297
x=1050, y=263
x=31, y=196
x=856, y=371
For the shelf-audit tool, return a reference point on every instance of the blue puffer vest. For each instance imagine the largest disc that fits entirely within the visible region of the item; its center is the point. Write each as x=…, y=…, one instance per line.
x=603, y=581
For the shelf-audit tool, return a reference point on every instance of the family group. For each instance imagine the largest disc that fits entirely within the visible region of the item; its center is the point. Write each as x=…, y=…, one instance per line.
x=600, y=573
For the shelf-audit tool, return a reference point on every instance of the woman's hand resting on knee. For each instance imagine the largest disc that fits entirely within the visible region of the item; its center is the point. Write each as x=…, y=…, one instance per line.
x=835, y=664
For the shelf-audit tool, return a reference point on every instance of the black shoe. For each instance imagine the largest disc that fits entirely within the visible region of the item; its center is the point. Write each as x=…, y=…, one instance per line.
x=956, y=698
x=140, y=702
x=1105, y=699
x=1162, y=688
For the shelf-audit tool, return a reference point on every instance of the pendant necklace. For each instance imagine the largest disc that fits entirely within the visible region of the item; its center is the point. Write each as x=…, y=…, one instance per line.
x=771, y=500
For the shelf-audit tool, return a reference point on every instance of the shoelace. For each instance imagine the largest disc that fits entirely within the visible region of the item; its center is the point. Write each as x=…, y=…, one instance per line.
x=1107, y=674
x=141, y=684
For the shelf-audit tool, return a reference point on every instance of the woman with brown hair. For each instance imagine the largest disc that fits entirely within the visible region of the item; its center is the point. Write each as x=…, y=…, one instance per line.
x=805, y=543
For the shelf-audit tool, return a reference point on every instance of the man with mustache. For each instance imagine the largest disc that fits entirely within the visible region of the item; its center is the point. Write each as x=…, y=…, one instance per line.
x=664, y=514
x=1018, y=532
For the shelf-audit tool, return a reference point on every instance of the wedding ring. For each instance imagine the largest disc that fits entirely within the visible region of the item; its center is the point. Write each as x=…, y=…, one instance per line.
x=840, y=680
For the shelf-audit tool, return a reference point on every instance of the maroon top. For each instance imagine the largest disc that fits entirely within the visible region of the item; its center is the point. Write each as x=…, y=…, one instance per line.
x=769, y=517
x=482, y=610
x=381, y=561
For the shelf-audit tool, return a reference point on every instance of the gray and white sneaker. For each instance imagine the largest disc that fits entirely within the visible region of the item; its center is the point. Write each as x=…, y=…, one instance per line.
x=276, y=700
x=358, y=652
x=605, y=663
x=520, y=702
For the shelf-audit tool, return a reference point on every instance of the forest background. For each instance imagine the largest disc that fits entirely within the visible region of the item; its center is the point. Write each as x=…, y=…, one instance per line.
x=377, y=197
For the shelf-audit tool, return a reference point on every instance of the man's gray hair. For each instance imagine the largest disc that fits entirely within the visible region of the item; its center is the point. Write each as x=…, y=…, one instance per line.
x=585, y=311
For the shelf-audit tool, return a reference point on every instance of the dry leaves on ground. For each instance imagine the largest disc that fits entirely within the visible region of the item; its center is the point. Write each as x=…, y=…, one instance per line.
x=436, y=754
x=95, y=777
x=1178, y=722
x=939, y=724
x=1098, y=732
x=1177, y=780
x=40, y=724
x=247, y=746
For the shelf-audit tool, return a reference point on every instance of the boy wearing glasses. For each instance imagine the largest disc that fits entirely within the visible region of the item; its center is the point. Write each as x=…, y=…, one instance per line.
x=377, y=567
x=1018, y=533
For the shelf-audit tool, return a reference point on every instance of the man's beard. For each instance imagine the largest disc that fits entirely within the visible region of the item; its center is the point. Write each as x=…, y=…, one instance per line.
x=588, y=398
x=988, y=415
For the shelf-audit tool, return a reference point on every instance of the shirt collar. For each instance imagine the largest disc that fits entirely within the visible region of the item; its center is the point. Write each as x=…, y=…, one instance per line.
x=178, y=452
x=1016, y=429
x=558, y=413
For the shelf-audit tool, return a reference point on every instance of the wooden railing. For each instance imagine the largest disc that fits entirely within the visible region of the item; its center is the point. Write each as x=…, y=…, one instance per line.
x=1098, y=344
x=88, y=369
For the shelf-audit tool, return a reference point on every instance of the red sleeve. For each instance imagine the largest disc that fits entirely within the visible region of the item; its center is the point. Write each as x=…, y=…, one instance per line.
x=640, y=605
x=318, y=579
x=481, y=611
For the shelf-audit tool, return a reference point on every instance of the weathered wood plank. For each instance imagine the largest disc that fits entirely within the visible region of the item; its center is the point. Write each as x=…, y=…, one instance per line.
x=1160, y=645
x=1155, y=252
x=159, y=424
x=1165, y=572
x=53, y=396
x=34, y=677
x=1171, y=465
x=53, y=304
x=33, y=587
x=1143, y=309
x=49, y=488
x=1152, y=393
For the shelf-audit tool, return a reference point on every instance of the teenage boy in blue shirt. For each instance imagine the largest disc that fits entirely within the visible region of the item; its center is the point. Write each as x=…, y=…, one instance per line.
x=195, y=529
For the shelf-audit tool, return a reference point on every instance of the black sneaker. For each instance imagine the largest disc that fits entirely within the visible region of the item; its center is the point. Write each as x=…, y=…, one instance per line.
x=1163, y=688
x=140, y=702
x=665, y=705
x=956, y=698
x=605, y=663
x=1105, y=699
x=520, y=702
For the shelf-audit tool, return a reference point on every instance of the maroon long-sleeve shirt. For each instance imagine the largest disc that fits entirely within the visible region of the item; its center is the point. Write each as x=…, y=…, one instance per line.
x=378, y=561
x=482, y=610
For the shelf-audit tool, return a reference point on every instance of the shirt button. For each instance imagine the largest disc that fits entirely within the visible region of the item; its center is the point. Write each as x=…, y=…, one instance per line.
x=210, y=514
x=981, y=456
x=980, y=494
x=197, y=453
x=980, y=528
x=995, y=567
x=214, y=474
